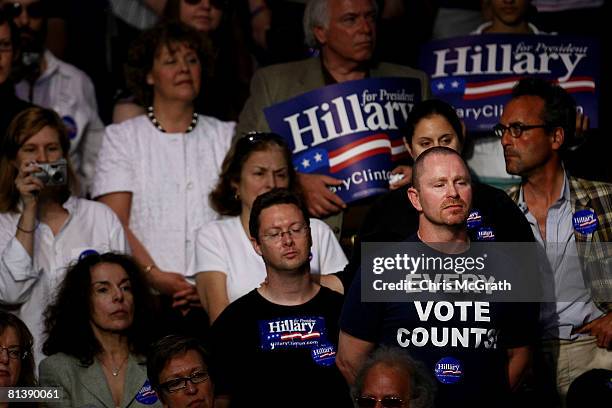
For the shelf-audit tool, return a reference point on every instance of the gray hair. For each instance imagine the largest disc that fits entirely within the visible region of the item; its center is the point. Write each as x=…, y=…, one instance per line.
x=316, y=14
x=422, y=386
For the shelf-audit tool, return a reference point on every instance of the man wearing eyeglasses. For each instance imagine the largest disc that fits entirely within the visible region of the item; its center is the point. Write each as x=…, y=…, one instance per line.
x=51, y=83
x=570, y=217
x=276, y=346
x=178, y=370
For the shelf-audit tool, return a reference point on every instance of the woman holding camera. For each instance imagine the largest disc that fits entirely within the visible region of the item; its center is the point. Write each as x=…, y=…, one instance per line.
x=43, y=226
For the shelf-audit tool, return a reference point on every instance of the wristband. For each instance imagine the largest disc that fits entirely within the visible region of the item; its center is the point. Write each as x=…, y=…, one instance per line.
x=28, y=231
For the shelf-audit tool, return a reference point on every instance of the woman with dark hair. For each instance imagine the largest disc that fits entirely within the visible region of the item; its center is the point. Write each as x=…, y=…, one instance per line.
x=16, y=357
x=43, y=225
x=99, y=328
x=226, y=73
x=227, y=266
x=156, y=170
x=393, y=218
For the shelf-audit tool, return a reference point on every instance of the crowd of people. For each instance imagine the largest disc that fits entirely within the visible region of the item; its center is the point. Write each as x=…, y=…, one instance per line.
x=162, y=247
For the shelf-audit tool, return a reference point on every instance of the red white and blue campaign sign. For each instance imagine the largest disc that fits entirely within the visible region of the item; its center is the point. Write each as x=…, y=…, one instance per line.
x=349, y=131
x=476, y=73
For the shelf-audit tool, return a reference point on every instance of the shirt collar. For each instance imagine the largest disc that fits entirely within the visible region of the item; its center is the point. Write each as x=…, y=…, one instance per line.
x=564, y=195
x=52, y=65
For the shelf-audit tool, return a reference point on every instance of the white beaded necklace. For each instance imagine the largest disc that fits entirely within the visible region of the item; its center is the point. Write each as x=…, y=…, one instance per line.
x=151, y=115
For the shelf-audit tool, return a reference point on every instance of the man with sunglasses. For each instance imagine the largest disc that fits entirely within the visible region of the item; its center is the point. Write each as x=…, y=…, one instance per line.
x=570, y=217
x=393, y=379
x=51, y=83
x=276, y=346
x=177, y=367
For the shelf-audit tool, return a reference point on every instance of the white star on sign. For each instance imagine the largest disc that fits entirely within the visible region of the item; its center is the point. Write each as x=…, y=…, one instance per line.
x=454, y=84
x=305, y=163
x=318, y=157
x=440, y=85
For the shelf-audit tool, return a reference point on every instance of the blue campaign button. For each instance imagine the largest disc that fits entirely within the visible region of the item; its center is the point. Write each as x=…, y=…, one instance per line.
x=86, y=253
x=146, y=395
x=585, y=221
x=485, y=234
x=474, y=220
x=71, y=126
x=449, y=370
x=324, y=355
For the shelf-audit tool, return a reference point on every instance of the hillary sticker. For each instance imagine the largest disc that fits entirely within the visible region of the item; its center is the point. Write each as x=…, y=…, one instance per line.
x=474, y=220
x=292, y=333
x=71, y=126
x=146, y=395
x=448, y=370
x=585, y=221
x=485, y=234
x=325, y=355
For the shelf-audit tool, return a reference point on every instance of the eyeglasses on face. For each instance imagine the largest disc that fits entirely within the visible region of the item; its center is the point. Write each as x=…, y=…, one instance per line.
x=218, y=4
x=14, y=352
x=34, y=10
x=386, y=402
x=516, y=129
x=178, y=384
x=295, y=231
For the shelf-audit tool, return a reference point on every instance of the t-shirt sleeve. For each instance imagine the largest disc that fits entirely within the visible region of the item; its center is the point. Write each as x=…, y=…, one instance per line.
x=360, y=319
x=521, y=325
x=211, y=250
x=222, y=356
x=114, y=167
x=331, y=256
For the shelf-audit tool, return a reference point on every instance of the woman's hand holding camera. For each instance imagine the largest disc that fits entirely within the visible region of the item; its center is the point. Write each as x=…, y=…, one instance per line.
x=28, y=185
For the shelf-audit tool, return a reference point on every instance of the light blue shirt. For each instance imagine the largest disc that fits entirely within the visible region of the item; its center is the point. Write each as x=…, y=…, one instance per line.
x=575, y=306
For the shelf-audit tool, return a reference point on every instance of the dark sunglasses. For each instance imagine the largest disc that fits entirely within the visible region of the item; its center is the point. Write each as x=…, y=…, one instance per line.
x=218, y=4
x=386, y=402
x=34, y=10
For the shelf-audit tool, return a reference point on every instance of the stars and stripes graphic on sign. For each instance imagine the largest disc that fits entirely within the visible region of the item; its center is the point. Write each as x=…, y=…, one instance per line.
x=349, y=154
x=488, y=89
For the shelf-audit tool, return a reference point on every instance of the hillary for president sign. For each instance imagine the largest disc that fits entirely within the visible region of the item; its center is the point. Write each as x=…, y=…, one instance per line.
x=349, y=131
x=476, y=73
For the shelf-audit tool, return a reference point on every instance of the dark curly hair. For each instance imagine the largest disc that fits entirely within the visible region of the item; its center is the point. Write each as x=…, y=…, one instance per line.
x=223, y=198
x=27, y=377
x=147, y=46
x=67, y=319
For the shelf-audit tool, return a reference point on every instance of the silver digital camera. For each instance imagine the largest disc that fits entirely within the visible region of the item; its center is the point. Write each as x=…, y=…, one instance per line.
x=53, y=174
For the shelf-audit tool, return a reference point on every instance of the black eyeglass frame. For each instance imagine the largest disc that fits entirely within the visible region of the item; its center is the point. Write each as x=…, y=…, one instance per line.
x=516, y=129
x=374, y=400
x=35, y=10
x=166, y=386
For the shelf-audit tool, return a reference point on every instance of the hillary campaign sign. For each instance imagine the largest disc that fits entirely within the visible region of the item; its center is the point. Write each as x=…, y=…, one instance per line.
x=476, y=73
x=349, y=131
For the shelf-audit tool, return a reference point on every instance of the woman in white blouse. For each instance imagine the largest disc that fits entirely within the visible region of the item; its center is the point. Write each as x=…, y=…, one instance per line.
x=43, y=226
x=228, y=267
x=156, y=170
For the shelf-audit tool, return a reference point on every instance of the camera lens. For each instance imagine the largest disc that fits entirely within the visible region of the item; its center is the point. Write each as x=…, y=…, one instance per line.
x=58, y=177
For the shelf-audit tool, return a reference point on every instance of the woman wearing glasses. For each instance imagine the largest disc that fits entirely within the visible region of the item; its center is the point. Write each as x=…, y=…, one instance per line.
x=16, y=357
x=156, y=170
x=99, y=329
x=177, y=367
x=227, y=265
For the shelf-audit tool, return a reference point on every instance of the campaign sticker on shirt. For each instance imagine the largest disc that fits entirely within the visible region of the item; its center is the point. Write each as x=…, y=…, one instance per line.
x=146, y=395
x=86, y=253
x=292, y=333
x=485, y=234
x=474, y=220
x=71, y=126
x=585, y=221
x=324, y=355
x=448, y=370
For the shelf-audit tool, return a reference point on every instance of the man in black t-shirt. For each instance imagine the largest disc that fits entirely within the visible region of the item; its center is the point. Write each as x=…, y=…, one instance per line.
x=478, y=350
x=276, y=346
